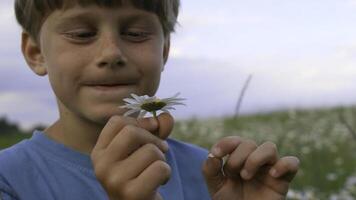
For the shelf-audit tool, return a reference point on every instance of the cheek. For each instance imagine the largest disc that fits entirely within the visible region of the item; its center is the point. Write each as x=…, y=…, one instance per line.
x=64, y=69
x=150, y=64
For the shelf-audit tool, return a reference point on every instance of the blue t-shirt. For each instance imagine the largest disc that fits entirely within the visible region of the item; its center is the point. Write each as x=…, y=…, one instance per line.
x=40, y=168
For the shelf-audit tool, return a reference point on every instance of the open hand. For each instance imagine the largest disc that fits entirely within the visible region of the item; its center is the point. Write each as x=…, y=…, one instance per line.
x=128, y=157
x=250, y=172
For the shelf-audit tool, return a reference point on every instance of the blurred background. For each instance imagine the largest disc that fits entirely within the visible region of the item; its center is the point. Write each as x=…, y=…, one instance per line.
x=300, y=56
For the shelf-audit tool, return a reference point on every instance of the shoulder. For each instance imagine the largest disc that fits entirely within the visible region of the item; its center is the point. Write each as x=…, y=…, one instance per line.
x=14, y=154
x=12, y=157
x=13, y=165
x=15, y=159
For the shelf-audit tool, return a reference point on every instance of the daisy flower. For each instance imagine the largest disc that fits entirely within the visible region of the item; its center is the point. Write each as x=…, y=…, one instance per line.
x=145, y=103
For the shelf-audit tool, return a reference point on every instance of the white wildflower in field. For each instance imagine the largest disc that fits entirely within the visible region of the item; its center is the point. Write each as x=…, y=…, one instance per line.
x=301, y=195
x=145, y=103
x=331, y=176
x=339, y=161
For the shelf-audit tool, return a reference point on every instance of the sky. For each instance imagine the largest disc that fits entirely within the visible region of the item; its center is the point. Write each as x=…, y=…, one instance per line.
x=301, y=54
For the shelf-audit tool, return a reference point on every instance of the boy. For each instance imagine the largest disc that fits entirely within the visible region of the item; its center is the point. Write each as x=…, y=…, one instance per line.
x=95, y=53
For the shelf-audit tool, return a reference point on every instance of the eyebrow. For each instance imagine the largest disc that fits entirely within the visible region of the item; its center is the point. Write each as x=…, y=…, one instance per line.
x=77, y=17
x=89, y=17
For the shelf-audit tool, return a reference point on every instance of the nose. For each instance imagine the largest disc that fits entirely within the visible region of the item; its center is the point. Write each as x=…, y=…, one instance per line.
x=110, y=52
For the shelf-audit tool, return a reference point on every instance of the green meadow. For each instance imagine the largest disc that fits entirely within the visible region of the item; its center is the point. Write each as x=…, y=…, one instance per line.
x=323, y=139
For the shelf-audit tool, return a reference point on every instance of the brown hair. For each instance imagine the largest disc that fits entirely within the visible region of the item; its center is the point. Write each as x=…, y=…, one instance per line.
x=31, y=14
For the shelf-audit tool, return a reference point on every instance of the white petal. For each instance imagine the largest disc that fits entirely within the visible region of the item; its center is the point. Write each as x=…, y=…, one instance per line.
x=168, y=108
x=164, y=110
x=175, y=103
x=130, y=106
x=173, y=97
x=136, y=97
x=130, y=112
x=129, y=100
x=135, y=107
x=142, y=114
x=175, y=100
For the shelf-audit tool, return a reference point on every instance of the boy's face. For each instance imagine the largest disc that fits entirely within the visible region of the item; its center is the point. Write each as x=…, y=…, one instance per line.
x=85, y=49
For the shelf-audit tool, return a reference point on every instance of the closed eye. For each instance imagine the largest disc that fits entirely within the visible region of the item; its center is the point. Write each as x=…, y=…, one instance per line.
x=136, y=36
x=81, y=35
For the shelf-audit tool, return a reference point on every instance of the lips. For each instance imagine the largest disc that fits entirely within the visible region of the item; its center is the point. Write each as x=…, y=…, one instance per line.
x=110, y=87
x=106, y=83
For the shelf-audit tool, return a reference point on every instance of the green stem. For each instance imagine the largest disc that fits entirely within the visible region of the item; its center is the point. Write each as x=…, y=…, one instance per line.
x=154, y=113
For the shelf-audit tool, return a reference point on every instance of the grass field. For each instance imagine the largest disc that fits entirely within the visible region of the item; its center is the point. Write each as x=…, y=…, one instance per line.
x=322, y=139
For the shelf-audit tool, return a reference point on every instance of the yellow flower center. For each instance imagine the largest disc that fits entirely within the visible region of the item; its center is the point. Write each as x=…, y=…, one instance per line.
x=153, y=106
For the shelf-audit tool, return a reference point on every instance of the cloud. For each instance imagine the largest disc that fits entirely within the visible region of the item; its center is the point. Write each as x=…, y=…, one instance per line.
x=212, y=87
x=301, y=54
x=28, y=108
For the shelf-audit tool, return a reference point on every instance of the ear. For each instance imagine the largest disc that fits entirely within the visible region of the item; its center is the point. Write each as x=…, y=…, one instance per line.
x=32, y=53
x=166, y=47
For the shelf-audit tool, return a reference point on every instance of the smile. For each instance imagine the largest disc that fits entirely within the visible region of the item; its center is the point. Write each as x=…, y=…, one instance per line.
x=108, y=87
x=110, y=91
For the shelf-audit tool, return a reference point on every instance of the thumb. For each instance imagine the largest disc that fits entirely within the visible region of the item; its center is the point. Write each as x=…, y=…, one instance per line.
x=161, y=126
x=213, y=174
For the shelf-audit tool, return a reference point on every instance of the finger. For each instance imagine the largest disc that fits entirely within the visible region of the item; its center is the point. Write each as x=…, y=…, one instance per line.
x=158, y=173
x=111, y=129
x=161, y=126
x=129, y=140
x=213, y=173
x=148, y=123
x=238, y=157
x=225, y=146
x=143, y=157
x=285, y=168
x=165, y=123
x=265, y=154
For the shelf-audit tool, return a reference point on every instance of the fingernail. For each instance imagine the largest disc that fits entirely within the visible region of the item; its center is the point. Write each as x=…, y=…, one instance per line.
x=244, y=174
x=210, y=155
x=216, y=151
x=165, y=146
x=273, y=172
x=153, y=122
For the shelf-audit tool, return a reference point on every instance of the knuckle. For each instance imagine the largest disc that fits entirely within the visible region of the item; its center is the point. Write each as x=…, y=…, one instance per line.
x=114, y=120
x=251, y=143
x=100, y=171
x=252, y=161
x=130, y=131
x=114, y=182
x=154, y=151
x=163, y=168
x=129, y=128
x=94, y=156
x=233, y=164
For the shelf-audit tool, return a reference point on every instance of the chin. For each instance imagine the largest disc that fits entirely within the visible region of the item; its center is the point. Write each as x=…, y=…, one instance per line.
x=103, y=116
